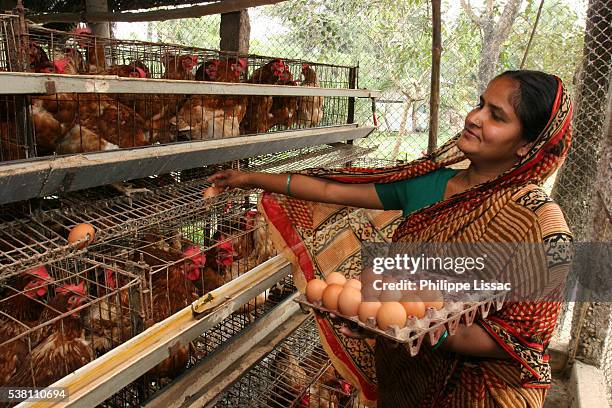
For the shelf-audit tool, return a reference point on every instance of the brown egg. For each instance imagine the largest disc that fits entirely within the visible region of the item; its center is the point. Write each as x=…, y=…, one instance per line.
x=414, y=307
x=391, y=314
x=432, y=298
x=368, y=293
x=390, y=296
x=348, y=301
x=80, y=232
x=314, y=290
x=353, y=283
x=211, y=191
x=330, y=296
x=335, y=278
x=367, y=310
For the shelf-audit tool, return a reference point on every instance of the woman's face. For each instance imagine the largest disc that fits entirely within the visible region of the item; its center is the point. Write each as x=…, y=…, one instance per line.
x=493, y=131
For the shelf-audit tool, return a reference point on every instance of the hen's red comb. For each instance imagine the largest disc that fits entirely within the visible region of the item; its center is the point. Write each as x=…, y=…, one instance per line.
x=138, y=73
x=79, y=288
x=40, y=272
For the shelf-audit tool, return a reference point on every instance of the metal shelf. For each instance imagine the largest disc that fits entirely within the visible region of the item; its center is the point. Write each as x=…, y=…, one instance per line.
x=32, y=83
x=48, y=176
x=201, y=383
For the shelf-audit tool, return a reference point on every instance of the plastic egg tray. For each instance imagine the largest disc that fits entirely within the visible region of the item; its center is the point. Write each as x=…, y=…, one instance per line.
x=432, y=324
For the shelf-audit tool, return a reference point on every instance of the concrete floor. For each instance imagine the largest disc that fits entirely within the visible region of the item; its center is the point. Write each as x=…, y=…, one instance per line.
x=557, y=395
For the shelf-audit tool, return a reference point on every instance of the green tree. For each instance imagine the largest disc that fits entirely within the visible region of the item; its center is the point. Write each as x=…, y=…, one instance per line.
x=197, y=32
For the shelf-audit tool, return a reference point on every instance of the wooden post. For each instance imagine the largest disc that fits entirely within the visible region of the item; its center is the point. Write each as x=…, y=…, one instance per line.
x=98, y=6
x=235, y=30
x=434, y=99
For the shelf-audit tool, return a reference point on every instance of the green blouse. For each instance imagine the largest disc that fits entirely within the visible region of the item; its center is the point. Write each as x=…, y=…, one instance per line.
x=413, y=194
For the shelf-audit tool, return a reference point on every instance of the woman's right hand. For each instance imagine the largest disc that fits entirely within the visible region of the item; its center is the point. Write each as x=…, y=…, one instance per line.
x=230, y=179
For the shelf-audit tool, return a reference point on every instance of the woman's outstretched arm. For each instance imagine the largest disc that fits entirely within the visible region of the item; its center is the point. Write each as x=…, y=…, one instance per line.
x=302, y=187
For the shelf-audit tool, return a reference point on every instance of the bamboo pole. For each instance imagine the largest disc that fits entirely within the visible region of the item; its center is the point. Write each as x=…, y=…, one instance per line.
x=434, y=99
x=218, y=7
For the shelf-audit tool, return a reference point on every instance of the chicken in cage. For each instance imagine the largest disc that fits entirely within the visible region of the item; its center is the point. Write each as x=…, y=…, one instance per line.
x=187, y=256
x=68, y=123
x=57, y=317
x=297, y=373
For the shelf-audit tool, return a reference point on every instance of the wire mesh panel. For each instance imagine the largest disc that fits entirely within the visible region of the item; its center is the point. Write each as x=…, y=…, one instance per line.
x=59, y=316
x=393, y=51
x=297, y=373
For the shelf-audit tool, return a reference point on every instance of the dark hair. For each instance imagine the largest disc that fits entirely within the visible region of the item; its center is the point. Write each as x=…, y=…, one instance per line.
x=534, y=99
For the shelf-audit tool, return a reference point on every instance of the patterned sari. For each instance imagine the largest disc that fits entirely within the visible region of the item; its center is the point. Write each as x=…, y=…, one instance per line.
x=321, y=238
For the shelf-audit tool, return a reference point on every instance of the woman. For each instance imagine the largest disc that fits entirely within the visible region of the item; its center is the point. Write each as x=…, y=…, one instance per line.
x=517, y=135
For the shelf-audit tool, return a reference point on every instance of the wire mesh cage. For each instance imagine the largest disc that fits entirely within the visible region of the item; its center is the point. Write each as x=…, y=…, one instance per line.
x=297, y=373
x=59, y=316
x=66, y=123
x=203, y=249
x=204, y=346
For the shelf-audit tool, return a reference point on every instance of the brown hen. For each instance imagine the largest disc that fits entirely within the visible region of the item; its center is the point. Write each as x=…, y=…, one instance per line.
x=214, y=116
x=24, y=308
x=64, y=350
x=257, y=117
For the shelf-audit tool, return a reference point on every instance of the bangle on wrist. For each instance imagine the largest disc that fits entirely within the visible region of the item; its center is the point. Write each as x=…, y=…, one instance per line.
x=440, y=340
x=288, y=187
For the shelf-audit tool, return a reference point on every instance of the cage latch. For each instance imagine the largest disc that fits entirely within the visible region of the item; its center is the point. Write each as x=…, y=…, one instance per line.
x=207, y=304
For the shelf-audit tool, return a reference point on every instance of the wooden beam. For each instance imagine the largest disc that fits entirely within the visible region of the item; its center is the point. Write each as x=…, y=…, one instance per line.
x=219, y=7
x=235, y=31
x=436, y=52
x=101, y=29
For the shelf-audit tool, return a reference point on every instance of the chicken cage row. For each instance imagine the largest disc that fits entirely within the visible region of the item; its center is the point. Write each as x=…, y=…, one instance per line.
x=56, y=318
x=67, y=123
x=178, y=244
x=172, y=263
x=59, y=316
x=297, y=373
x=36, y=231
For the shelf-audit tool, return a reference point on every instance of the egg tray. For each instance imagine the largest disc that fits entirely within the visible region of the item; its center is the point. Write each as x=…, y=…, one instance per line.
x=432, y=324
